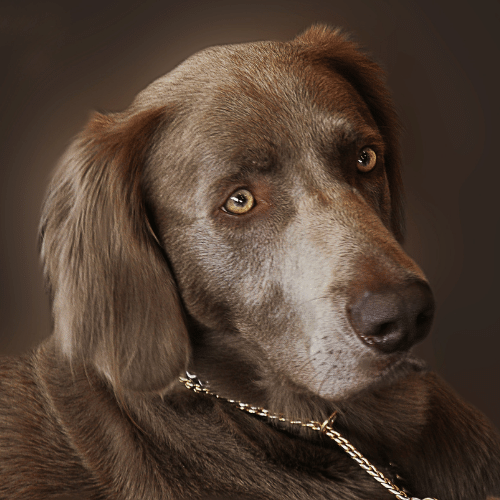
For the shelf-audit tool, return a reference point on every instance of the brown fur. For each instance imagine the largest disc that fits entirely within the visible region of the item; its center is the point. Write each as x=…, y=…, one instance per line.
x=150, y=276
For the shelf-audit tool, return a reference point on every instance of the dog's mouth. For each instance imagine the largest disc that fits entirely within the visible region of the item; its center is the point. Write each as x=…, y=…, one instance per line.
x=398, y=366
x=380, y=374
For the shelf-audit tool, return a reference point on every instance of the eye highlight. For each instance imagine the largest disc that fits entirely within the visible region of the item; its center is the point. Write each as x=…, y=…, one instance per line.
x=240, y=202
x=367, y=159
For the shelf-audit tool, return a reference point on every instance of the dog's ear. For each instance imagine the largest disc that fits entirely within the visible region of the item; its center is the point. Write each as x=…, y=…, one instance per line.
x=114, y=301
x=332, y=48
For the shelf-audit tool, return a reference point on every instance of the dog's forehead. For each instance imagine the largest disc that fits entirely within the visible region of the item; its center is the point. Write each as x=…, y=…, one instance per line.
x=253, y=81
x=193, y=80
x=267, y=93
x=209, y=67
x=255, y=104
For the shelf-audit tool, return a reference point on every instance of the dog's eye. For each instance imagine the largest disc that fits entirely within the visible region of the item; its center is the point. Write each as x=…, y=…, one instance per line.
x=240, y=202
x=367, y=159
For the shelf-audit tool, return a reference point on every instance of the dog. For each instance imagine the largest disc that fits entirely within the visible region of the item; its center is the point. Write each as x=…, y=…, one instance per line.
x=242, y=221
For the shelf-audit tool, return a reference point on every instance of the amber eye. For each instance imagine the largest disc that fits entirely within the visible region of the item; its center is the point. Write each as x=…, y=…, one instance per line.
x=240, y=202
x=367, y=159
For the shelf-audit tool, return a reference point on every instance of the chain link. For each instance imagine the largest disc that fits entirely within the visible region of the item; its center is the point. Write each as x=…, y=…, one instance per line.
x=192, y=383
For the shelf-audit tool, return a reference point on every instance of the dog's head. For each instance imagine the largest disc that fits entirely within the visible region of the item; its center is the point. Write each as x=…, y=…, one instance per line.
x=242, y=218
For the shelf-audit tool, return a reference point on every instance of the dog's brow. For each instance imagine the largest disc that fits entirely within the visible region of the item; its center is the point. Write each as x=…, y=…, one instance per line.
x=263, y=165
x=355, y=129
x=339, y=122
x=336, y=132
x=244, y=171
x=261, y=158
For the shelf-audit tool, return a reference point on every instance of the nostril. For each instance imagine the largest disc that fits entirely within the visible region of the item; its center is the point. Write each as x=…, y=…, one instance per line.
x=393, y=318
x=385, y=329
x=425, y=317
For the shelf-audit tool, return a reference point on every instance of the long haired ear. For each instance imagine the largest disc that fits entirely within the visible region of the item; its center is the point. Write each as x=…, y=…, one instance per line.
x=114, y=301
x=332, y=49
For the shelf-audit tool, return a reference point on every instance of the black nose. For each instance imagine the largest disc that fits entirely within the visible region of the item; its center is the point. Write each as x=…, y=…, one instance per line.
x=395, y=318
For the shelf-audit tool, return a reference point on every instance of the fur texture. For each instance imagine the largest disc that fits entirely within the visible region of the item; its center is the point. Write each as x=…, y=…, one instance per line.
x=305, y=303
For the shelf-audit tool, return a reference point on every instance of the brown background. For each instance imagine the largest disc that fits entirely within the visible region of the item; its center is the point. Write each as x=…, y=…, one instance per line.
x=61, y=59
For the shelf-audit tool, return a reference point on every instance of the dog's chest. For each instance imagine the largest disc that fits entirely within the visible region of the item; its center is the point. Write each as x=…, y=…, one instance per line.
x=240, y=459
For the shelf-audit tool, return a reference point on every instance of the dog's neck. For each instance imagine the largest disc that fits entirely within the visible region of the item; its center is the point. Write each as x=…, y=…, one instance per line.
x=325, y=427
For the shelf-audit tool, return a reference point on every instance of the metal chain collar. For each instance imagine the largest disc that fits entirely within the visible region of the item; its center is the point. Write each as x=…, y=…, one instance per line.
x=192, y=382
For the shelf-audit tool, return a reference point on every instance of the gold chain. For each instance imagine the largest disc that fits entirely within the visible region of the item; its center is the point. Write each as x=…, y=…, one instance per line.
x=325, y=427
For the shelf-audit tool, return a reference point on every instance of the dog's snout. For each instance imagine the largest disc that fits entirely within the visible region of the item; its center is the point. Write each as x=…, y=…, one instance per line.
x=394, y=318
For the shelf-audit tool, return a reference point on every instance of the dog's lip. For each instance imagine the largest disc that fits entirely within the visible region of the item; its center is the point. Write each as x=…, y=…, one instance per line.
x=400, y=365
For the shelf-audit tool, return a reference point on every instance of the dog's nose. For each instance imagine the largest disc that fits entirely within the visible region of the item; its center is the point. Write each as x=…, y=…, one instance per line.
x=395, y=318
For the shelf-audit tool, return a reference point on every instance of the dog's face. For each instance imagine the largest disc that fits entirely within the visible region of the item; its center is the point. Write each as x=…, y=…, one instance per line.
x=265, y=180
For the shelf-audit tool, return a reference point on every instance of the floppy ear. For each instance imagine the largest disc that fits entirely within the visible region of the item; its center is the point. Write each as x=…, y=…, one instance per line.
x=114, y=301
x=332, y=49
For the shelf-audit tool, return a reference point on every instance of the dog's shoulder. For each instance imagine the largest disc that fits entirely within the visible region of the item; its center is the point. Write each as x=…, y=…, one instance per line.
x=456, y=437
x=36, y=453
x=19, y=392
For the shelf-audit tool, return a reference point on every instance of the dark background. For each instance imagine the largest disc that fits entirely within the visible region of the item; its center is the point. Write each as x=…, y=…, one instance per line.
x=59, y=60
